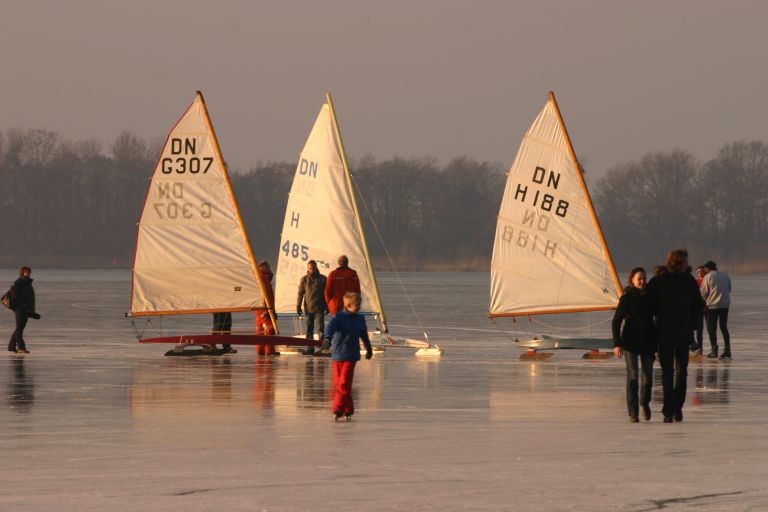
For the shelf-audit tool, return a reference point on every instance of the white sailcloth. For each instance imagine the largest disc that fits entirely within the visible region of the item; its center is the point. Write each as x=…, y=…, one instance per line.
x=192, y=255
x=320, y=222
x=548, y=256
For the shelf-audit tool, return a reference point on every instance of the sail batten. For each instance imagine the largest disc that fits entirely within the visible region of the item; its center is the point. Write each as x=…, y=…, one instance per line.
x=549, y=254
x=192, y=252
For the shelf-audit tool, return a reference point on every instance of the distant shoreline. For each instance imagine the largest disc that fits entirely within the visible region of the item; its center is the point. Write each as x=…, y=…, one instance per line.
x=476, y=265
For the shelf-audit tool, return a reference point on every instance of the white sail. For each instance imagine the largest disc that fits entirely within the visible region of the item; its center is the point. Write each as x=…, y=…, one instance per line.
x=320, y=219
x=192, y=254
x=549, y=255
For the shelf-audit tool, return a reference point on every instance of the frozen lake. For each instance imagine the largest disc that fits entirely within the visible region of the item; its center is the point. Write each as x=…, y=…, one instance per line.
x=93, y=421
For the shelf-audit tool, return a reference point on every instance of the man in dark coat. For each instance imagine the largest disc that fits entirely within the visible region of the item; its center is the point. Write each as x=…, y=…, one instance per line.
x=311, y=301
x=23, y=306
x=677, y=306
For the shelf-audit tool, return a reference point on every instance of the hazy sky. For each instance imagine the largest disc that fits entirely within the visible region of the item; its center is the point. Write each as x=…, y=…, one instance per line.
x=409, y=78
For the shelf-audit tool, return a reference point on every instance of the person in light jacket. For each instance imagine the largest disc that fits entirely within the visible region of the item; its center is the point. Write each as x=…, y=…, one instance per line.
x=716, y=291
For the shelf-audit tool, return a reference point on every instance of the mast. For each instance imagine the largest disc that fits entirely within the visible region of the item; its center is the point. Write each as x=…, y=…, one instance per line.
x=584, y=189
x=248, y=248
x=348, y=176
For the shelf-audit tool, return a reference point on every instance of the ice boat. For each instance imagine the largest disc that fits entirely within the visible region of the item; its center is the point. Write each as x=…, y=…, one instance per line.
x=193, y=256
x=549, y=253
x=322, y=221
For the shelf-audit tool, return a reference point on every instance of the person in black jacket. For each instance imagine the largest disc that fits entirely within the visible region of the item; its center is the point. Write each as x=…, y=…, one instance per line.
x=311, y=302
x=637, y=340
x=23, y=308
x=676, y=305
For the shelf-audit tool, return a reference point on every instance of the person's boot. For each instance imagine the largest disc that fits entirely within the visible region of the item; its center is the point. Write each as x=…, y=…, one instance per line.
x=713, y=354
x=646, y=413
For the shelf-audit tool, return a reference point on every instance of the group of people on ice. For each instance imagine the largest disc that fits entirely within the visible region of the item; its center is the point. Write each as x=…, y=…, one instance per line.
x=665, y=317
x=337, y=295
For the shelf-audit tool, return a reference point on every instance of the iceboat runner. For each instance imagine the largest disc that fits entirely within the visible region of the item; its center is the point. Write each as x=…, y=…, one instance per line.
x=549, y=253
x=193, y=256
x=322, y=221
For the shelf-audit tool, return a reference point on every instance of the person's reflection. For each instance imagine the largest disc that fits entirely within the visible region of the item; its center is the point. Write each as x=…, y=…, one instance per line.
x=264, y=382
x=221, y=379
x=313, y=387
x=712, y=384
x=21, y=387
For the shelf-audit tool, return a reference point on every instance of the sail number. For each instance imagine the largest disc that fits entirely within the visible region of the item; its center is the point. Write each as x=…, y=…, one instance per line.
x=183, y=158
x=181, y=165
x=547, y=202
x=295, y=250
x=183, y=210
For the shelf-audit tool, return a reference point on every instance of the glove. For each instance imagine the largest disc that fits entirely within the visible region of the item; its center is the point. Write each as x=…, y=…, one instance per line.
x=326, y=344
x=298, y=310
x=368, y=353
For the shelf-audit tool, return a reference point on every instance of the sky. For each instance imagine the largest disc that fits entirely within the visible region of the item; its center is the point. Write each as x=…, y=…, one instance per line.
x=408, y=78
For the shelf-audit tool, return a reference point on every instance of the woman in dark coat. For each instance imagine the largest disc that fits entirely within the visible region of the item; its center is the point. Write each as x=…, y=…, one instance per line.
x=23, y=308
x=636, y=341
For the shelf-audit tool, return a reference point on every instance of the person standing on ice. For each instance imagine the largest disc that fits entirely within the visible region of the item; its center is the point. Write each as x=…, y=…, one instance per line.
x=340, y=282
x=222, y=326
x=716, y=292
x=636, y=341
x=22, y=303
x=263, y=320
x=344, y=332
x=676, y=305
x=311, y=302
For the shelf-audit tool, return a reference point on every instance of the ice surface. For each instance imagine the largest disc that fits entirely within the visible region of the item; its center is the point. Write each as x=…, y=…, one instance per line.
x=93, y=421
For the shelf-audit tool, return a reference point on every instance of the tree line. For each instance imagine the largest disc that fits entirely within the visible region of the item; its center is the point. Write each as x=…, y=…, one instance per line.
x=76, y=204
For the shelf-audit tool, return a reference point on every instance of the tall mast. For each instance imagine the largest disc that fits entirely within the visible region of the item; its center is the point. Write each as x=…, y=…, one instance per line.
x=348, y=176
x=232, y=198
x=584, y=189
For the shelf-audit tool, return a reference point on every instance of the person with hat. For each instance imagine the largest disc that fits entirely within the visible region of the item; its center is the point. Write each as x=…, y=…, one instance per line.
x=340, y=282
x=716, y=292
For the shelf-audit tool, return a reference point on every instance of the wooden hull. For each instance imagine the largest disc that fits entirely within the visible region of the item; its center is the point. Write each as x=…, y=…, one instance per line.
x=231, y=339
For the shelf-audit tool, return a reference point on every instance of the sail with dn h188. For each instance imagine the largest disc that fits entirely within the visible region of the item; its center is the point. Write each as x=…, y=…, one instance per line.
x=549, y=254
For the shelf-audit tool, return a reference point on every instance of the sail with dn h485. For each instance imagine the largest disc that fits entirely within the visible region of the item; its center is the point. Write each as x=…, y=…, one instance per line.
x=321, y=219
x=322, y=222
x=549, y=254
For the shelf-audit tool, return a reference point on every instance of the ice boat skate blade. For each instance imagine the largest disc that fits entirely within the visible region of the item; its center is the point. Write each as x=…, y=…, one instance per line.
x=597, y=355
x=434, y=351
x=533, y=355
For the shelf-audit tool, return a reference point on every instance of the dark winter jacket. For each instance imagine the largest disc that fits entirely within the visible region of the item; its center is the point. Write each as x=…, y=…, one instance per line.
x=677, y=307
x=312, y=293
x=346, y=330
x=340, y=281
x=24, y=295
x=639, y=333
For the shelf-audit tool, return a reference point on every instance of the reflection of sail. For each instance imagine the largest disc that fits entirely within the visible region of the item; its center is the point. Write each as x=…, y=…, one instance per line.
x=21, y=387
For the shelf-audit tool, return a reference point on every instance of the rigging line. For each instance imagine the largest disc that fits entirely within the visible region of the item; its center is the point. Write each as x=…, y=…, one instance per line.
x=389, y=257
x=505, y=333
